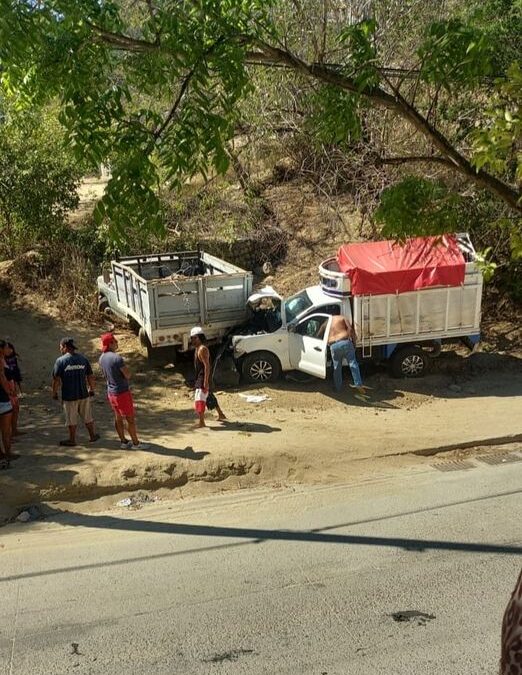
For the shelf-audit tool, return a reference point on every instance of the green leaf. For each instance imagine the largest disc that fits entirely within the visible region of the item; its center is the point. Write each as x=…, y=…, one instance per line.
x=416, y=206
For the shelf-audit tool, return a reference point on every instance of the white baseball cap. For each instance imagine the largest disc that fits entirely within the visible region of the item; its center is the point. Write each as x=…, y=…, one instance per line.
x=197, y=330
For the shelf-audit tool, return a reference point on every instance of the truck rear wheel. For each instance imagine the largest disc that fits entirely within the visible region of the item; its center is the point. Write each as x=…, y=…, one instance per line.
x=134, y=326
x=261, y=368
x=409, y=362
x=144, y=338
x=157, y=356
x=153, y=353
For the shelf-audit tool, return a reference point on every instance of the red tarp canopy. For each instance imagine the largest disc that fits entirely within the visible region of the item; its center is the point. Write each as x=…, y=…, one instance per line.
x=380, y=267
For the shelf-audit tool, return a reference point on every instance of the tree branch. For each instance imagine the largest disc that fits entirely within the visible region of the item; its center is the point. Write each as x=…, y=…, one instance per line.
x=255, y=58
x=397, y=103
x=324, y=73
x=184, y=86
x=168, y=119
x=124, y=42
x=270, y=55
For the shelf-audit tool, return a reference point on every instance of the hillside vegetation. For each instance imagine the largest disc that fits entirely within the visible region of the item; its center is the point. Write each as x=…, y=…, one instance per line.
x=299, y=123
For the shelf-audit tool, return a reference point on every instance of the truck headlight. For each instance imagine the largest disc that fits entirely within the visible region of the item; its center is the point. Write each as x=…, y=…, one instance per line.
x=236, y=344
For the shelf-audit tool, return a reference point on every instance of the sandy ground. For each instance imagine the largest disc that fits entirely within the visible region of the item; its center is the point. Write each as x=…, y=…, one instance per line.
x=303, y=433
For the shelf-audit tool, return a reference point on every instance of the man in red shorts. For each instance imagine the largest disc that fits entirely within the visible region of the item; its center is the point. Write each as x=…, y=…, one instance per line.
x=118, y=392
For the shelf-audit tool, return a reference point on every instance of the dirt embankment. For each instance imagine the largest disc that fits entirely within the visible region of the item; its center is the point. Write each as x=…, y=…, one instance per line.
x=301, y=433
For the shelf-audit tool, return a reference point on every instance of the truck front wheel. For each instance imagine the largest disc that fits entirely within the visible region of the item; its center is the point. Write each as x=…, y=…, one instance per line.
x=409, y=362
x=103, y=304
x=261, y=368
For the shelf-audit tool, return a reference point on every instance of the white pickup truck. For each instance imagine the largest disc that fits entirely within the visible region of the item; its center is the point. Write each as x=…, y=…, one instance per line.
x=404, y=301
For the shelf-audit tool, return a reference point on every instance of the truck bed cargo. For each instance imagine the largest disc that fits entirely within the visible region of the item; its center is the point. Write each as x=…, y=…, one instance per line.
x=431, y=312
x=165, y=295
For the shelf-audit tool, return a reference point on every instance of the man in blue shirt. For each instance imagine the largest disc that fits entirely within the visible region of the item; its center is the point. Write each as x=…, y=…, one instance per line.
x=72, y=373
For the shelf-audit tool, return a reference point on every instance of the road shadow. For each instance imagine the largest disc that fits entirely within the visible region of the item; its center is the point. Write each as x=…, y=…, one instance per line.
x=260, y=534
x=256, y=536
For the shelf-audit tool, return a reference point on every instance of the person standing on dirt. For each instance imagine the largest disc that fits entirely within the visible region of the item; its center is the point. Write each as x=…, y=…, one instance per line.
x=6, y=410
x=72, y=373
x=342, y=341
x=14, y=377
x=117, y=376
x=203, y=397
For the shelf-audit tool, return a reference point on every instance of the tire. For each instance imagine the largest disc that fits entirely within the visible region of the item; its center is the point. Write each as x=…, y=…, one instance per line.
x=409, y=362
x=261, y=368
x=144, y=339
x=157, y=356
x=467, y=343
x=103, y=304
x=134, y=326
x=152, y=352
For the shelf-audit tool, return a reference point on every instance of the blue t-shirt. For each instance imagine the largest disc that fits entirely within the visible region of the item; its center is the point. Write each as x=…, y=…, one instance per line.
x=72, y=369
x=111, y=365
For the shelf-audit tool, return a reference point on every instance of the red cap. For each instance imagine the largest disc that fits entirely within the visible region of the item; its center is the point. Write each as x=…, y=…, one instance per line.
x=106, y=340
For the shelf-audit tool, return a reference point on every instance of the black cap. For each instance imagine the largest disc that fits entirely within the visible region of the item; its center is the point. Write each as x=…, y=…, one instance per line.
x=67, y=342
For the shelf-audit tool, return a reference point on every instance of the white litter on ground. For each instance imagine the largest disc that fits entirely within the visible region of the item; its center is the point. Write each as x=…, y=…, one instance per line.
x=136, y=501
x=125, y=502
x=251, y=398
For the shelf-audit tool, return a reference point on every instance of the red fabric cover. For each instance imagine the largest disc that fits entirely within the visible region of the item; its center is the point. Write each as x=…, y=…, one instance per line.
x=380, y=267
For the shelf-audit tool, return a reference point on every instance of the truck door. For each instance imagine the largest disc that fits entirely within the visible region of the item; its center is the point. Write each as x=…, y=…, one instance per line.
x=308, y=344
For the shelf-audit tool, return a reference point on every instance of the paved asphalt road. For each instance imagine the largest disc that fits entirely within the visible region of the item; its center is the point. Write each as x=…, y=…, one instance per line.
x=289, y=581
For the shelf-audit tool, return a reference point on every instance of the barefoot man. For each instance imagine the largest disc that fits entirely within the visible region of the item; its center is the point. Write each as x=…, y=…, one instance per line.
x=341, y=341
x=117, y=376
x=203, y=398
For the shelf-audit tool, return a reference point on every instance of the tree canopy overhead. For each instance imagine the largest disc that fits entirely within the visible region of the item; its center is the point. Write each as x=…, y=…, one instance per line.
x=157, y=86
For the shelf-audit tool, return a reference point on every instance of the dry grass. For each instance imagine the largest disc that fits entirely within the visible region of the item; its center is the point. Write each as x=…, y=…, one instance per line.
x=63, y=280
x=316, y=226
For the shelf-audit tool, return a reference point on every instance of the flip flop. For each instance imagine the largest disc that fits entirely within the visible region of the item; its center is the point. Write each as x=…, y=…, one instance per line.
x=95, y=438
x=362, y=397
x=67, y=444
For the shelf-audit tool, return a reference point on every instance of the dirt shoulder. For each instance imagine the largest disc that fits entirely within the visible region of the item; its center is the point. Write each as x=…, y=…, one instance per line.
x=303, y=433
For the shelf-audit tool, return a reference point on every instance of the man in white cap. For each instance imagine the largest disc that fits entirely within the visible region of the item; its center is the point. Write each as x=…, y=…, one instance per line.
x=203, y=397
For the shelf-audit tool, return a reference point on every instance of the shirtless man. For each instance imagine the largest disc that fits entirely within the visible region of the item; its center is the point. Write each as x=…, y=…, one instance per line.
x=203, y=397
x=341, y=341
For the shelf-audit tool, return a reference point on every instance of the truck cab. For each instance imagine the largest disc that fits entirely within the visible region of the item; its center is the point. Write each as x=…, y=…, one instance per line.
x=294, y=345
